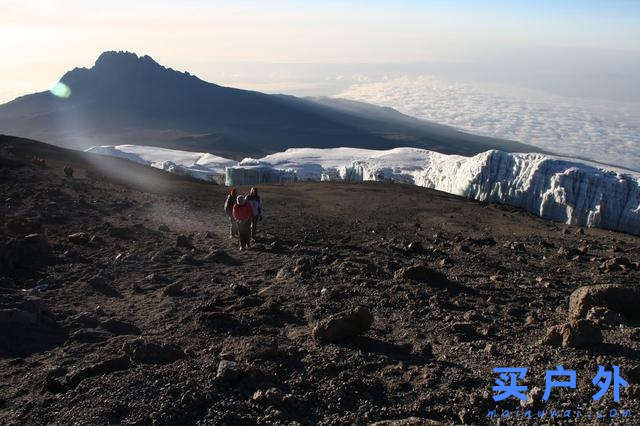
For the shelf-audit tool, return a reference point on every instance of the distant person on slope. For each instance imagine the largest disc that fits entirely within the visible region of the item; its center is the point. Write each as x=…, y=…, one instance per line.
x=228, y=208
x=256, y=205
x=243, y=213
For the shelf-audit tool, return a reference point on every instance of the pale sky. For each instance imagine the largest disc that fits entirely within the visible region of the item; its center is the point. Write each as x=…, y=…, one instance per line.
x=42, y=39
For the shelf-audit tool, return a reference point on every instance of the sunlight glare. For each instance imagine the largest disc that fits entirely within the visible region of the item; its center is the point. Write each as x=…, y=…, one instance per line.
x=60, y=90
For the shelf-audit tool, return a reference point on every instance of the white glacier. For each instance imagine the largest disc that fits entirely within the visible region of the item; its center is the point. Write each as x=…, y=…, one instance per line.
x=563, y=189
x=199, y=165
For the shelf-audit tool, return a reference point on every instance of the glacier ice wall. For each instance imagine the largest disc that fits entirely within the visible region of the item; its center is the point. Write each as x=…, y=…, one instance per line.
x=198, y=165
x=554, y=188
x=566, y=190
x=571, y=191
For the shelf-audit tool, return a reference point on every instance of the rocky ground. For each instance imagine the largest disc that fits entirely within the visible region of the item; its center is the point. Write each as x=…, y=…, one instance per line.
x=123, y=300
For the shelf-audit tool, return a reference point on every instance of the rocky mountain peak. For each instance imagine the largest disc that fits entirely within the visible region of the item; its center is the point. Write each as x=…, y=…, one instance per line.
x=118, y=59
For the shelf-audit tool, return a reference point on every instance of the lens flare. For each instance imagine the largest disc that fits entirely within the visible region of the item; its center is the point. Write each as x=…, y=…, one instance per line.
x=60, y=90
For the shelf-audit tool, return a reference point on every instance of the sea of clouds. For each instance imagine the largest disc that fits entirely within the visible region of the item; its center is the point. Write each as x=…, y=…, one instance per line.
x=604, y=131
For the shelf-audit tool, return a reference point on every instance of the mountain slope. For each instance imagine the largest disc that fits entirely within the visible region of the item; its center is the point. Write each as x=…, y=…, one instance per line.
x=124, y=98
x=130, y=325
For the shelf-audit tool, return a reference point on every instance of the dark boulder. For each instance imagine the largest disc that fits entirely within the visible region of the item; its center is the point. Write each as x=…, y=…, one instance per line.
x=622, y=299
x=343, y=325
x=575, y=334
x=145, y=351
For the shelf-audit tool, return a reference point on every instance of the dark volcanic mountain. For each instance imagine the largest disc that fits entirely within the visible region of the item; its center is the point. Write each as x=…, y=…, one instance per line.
x=124, y=98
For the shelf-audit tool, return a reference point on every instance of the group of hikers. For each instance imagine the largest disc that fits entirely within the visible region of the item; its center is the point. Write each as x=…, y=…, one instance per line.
x=244, y=212
x=41, y=162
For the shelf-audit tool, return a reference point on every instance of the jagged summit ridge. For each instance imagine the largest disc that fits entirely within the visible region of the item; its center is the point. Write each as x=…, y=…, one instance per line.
x=113, y=57
x=127, y=68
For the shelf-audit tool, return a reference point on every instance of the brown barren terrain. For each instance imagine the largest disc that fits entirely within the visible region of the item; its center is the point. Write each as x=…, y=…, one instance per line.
x=131, y=305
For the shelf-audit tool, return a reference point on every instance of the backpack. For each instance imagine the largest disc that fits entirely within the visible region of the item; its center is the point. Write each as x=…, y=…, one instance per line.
x=228, y=205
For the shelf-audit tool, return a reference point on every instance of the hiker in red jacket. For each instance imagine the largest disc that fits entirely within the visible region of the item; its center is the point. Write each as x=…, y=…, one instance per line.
x=243, y=213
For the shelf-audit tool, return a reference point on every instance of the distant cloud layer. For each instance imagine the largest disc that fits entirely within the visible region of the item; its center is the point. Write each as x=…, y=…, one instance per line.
x=605, y=132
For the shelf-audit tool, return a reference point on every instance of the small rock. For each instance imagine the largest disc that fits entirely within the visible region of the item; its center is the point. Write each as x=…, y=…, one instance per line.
x=163, y=228
x=184, y=241
x=577, y=334
x=472, y=316
x=392, y=266
x=618, y=298
x=96, y=240
x=616, y=264
x=142, y=350
x=415, y=247
x=86, y=320
x=119, y=327
x=490, y=348
x=227, y=370
x=120, y=232
x=534, y=398
x=604, y=317
x=421, y=274
x=568, y=253
x=633, y=392
x=517, y=246
x=156, y=278
x=272, y=396
x=174, y=289
x=343, y=325
x=443, y=263
x=464, y=330
x=463, y=248
x=240, y=289
x=302, y=266
x=52, y=385
x=634, y=334
x=515, y=311
x=98, y=369
x=79, y=238
x=275, y=246
x=631, y=373
x=217, y=255
x=423, y=349
x=250, y=348
x=159, y=257
x=72, y=255
x=485, y=241
x=99, y=283
x=88, y=335
x=584, y=249
x=187, y=259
